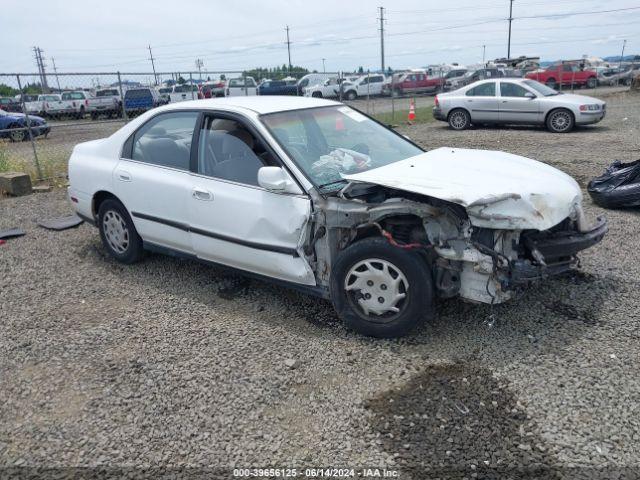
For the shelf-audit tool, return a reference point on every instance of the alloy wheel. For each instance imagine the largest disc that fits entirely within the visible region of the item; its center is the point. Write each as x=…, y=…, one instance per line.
x=458, y=120
x=560, y=121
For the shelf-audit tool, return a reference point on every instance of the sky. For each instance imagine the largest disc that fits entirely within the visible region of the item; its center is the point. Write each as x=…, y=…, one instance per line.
x=90, y=36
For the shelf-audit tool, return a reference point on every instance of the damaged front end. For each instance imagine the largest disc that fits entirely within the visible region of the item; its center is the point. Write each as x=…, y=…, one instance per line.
x=477, y=263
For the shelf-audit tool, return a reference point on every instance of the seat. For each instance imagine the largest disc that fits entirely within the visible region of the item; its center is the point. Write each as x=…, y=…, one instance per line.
x=165, y=152
x=240, y=163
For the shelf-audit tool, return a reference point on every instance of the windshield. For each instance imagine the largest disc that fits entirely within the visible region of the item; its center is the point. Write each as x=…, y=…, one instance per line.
x=330, y=142
x=540, y=88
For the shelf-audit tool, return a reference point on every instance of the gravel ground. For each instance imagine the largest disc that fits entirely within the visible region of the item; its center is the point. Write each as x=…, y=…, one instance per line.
x=168, y=363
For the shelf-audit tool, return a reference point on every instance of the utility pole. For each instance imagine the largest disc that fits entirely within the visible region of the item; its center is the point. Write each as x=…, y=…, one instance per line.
x=510, y=20
x=484, y=51
x=324, y=70
x=41, y=69
x=199, y=65
x=288, y=47
x=55, y=70
x=382, y=37
x=624, y=44
x=153, y=66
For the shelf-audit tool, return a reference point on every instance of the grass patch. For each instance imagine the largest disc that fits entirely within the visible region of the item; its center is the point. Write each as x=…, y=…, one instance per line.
x=423, y=115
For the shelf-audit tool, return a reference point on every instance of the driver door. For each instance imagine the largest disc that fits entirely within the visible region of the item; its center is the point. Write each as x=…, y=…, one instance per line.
x=516, y=107
x=233, y=220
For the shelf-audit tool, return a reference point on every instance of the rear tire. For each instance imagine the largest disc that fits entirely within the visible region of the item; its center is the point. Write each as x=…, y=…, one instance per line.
x=118, y=234
x=351, y=95
x=316, y=94
x=551, y=83
x=560, y=121
x=459, y=119
x=592, y=82
x=380, y=290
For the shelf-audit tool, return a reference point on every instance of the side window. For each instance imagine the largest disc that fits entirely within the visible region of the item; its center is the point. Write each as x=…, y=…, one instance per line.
x=566, y=68
x=484, y=90
x=511, y=90
x=165, y=140
x=377, y=79
x=229, y=151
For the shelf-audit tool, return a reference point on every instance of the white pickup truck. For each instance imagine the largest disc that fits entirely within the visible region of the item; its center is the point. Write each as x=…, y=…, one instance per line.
x=367, y=85
x=83, y=103
x=329, y=88
x=54, y=106
x=242, y=86
x=182, y=93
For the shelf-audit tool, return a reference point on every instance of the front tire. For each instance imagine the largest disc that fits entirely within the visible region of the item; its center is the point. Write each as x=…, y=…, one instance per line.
x=592, y=82
x=560, y=121
x=459, y=119
x=351, y=95
x=17, y=134
x=381, y=290
x=551, y=83
x=118, y=234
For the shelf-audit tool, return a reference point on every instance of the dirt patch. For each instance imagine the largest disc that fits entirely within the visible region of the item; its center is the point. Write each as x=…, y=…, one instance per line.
x=452, y=421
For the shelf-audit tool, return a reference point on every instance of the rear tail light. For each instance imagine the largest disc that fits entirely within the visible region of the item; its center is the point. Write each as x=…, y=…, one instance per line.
x=436, y=101
x=86, y=102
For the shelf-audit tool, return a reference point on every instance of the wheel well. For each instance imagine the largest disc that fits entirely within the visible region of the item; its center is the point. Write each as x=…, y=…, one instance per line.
x=404, y=228
x=100, y=197
x=559, y=108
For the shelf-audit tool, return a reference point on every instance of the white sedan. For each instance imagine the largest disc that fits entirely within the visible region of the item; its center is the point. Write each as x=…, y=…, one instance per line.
x=315, y=195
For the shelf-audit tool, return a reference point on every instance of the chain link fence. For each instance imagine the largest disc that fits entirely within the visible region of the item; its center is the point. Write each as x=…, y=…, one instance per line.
x=58, y=111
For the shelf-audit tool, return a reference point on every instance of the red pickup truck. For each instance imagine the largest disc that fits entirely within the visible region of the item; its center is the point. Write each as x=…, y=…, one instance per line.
x=413, y=82
x=565, y=74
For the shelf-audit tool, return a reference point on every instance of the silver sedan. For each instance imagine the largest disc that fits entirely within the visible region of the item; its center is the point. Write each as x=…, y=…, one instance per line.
x=516, y=101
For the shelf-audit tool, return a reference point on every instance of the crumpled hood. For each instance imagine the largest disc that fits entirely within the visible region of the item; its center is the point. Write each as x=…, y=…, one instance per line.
x=498, y=189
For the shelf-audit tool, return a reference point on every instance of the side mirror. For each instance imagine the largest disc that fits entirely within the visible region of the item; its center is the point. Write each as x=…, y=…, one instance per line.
x=275, y=179
x=530, y=95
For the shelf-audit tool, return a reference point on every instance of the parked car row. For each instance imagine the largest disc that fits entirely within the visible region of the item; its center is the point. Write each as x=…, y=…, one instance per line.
x=72, y=104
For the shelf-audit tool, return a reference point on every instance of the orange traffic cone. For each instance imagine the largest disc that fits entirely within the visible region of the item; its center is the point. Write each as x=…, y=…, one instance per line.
x=412, y=112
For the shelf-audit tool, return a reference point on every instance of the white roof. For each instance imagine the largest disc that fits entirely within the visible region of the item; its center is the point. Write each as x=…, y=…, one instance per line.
x=258, y=104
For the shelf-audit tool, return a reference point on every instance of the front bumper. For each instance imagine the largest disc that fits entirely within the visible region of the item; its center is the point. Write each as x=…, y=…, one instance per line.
x=586, y=118
x=553, y=252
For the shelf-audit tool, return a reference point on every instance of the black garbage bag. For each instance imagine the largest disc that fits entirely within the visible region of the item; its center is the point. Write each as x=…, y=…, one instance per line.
x=618, y=187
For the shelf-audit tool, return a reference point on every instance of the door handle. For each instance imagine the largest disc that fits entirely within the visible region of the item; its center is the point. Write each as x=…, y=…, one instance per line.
x=124, y=176
x=200, y=194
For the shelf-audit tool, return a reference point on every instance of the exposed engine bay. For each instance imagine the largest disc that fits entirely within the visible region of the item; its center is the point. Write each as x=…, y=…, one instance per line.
x=478, y=264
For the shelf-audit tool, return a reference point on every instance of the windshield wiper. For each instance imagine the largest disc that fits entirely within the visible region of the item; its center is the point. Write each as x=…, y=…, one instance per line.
x=340, y=180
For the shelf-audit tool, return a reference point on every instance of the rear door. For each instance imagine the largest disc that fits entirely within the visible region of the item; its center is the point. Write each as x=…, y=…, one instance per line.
x=236, y=222
x=482, y=103
x=152, y=179
x=515, y=106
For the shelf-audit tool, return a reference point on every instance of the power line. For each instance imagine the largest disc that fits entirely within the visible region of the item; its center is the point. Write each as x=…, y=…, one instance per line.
x=571, y=14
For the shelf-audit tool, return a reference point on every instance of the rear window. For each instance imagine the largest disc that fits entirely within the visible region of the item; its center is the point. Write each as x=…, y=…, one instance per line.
x=106, y=93
x=138, y=93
